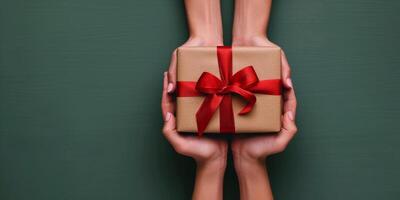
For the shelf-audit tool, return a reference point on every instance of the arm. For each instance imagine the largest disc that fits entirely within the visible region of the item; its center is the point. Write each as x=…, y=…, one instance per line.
x=205, y=29
x=253, y=179
x=251, y=22
x=204, y=20
x=249, y=153
x=209, y=180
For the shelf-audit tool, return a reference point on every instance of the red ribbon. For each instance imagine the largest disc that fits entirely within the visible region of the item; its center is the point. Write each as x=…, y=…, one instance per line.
x=218, y=92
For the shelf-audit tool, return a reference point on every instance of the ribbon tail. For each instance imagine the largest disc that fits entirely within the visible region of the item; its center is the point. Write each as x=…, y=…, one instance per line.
x=270, y=87
x=206, y=111
x=250, y=104
x=248, y=96
x=226, y=117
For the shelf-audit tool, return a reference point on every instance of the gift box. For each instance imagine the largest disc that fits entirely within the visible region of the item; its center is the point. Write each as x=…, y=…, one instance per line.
x=229, y=89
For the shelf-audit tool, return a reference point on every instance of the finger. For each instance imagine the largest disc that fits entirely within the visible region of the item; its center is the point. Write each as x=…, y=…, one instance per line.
x=172, y=73
x=287, y=83
x=170, y=133
x=165, y=81
x=288, y=130
x=289, y=95
x=166, y=100
x=285, y=66
x=290, y=101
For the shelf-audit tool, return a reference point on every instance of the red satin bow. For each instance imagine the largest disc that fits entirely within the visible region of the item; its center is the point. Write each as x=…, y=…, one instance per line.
x=218, y=92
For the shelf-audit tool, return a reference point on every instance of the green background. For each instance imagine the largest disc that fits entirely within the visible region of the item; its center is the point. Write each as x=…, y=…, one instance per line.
x=80, y=87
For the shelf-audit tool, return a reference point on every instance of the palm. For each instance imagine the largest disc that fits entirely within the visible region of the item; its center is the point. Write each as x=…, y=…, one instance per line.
x=256, y=146
x=203, y=148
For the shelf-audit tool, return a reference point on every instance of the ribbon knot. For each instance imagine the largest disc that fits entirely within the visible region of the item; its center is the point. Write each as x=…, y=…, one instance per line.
x=215, y=89
x=224, y=90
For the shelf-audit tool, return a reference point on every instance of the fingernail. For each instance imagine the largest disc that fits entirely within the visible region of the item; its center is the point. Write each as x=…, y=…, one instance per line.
x=165, y=73
x=290, y=115
x=289, y=82
x=170, y=87
x=167, y=116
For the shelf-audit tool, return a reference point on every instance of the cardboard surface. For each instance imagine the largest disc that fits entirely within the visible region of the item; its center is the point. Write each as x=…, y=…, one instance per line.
x=266, y=114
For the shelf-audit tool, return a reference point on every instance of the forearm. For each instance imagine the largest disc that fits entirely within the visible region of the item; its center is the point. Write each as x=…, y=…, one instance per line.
x=253, y=179
x=251, y=19
x=204, y=20
x=209, y=180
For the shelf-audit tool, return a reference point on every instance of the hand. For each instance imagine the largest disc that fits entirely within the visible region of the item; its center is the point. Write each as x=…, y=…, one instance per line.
x=191, y=42
x=203, y=149
x=260, y=146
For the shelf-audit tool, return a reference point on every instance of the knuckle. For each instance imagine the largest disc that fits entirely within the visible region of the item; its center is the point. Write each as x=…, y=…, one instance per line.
x=294, y=102
x=294, y=129
x=171, y=74
x=165, y=130
x=281, y=147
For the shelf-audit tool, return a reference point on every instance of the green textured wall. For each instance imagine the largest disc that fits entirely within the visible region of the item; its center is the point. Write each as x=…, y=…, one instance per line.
x=77, y=122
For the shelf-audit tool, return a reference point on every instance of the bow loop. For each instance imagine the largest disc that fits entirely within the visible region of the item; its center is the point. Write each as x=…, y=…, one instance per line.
x=208, y=83
x=247, y=95
x=245, y=78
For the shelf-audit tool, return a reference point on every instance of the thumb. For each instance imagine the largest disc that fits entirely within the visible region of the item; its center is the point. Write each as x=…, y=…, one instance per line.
x=170, y=133
x=172, y=73
x=289, y=129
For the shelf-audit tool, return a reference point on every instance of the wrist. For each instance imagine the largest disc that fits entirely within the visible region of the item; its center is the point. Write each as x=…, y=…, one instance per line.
x=245, y=164
x=244, y=38
x=216, y=164
x=252, y=40
x=209, y=179
x=204, y=21
x=253, y=178
x=204, y=40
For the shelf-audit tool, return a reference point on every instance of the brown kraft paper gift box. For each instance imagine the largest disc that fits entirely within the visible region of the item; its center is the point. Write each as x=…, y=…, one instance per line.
x=266, y=113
